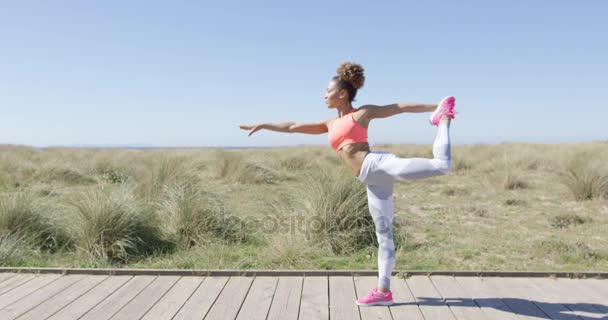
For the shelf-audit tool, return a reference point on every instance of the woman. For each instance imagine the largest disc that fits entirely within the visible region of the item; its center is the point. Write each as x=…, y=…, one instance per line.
x=378, y=170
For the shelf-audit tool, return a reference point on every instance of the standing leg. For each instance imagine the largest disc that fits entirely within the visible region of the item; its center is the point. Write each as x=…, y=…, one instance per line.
x=380, y=203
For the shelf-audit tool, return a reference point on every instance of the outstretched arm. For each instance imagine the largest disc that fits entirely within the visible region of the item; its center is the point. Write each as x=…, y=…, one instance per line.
x=373, y=111
x=289, y=127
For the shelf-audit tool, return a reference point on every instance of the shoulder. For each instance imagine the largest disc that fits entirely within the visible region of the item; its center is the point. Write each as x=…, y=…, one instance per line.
x=366, y=111
x=367, y=107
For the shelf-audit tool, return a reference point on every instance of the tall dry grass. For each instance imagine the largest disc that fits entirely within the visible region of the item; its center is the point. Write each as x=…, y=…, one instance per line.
x=111, y=225
x=232, y=166
x=586, y=176
x=332, y=208
x=502, y=206
x=192, y=217
x=15, y=249
x=32, y=220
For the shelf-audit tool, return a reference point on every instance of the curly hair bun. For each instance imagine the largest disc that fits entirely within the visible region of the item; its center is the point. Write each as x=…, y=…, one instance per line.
x=351, y=73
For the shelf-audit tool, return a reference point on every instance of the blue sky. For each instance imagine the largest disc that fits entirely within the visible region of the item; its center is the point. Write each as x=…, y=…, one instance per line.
x=187, y=73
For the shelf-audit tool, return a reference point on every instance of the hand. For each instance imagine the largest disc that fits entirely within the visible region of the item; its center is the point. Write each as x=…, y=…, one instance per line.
x=253, y=128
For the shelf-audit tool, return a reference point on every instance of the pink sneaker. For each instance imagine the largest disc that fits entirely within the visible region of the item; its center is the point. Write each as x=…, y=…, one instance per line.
x=376, y=298
x=445, y=107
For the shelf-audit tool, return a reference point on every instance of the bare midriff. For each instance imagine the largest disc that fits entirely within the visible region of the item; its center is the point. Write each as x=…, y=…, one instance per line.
x=353, y=155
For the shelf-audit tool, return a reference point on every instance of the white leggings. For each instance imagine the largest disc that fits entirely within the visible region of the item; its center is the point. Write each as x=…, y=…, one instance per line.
x=379, y=172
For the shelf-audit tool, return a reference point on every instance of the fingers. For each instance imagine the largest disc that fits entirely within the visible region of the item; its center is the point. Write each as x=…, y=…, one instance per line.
x=252, y=128
x=256, y=128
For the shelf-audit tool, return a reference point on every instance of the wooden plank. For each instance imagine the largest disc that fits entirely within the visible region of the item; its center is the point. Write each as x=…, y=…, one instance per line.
x=589, y=294
x=342, y=299
x=37, y=297
x=258, y=300
x=4, y=276
x=601, y=284
x=286, y=302
x=230, y=299
x=202, y=299
x=459, y=301
x=363, y=285
x=315, y=298
x=565, y=296
x=170, y=304
x=118, y=299
x=145, y=300
x=484, y=296
x=405, y=306
x=15, y=281
x=56, y=303
x=26, y=288
x=533, y=293
x=507, y=289
x=92, y=298
x=429, y=300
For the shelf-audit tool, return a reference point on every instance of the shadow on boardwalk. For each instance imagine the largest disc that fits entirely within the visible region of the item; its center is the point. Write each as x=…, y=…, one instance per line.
x=523, y=307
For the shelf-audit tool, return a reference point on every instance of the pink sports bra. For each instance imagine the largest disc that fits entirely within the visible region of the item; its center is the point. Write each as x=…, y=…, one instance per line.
x=346, y=130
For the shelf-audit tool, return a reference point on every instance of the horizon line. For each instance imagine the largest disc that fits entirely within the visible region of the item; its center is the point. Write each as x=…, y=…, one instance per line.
x=143, y=146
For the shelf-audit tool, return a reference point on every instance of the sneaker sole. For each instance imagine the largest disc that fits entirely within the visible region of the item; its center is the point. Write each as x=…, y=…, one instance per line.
x=437, y=110
x=382, y=303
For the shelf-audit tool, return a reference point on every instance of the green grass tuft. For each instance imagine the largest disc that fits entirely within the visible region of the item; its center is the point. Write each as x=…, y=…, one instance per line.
x=110, y=225
x=25, y=216
x=586, y=179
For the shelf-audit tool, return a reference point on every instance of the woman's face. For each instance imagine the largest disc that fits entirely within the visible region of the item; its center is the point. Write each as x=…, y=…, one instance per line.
x=333, y=94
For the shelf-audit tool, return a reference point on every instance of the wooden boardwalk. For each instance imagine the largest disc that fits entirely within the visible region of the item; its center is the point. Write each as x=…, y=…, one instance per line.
x=38, y=296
